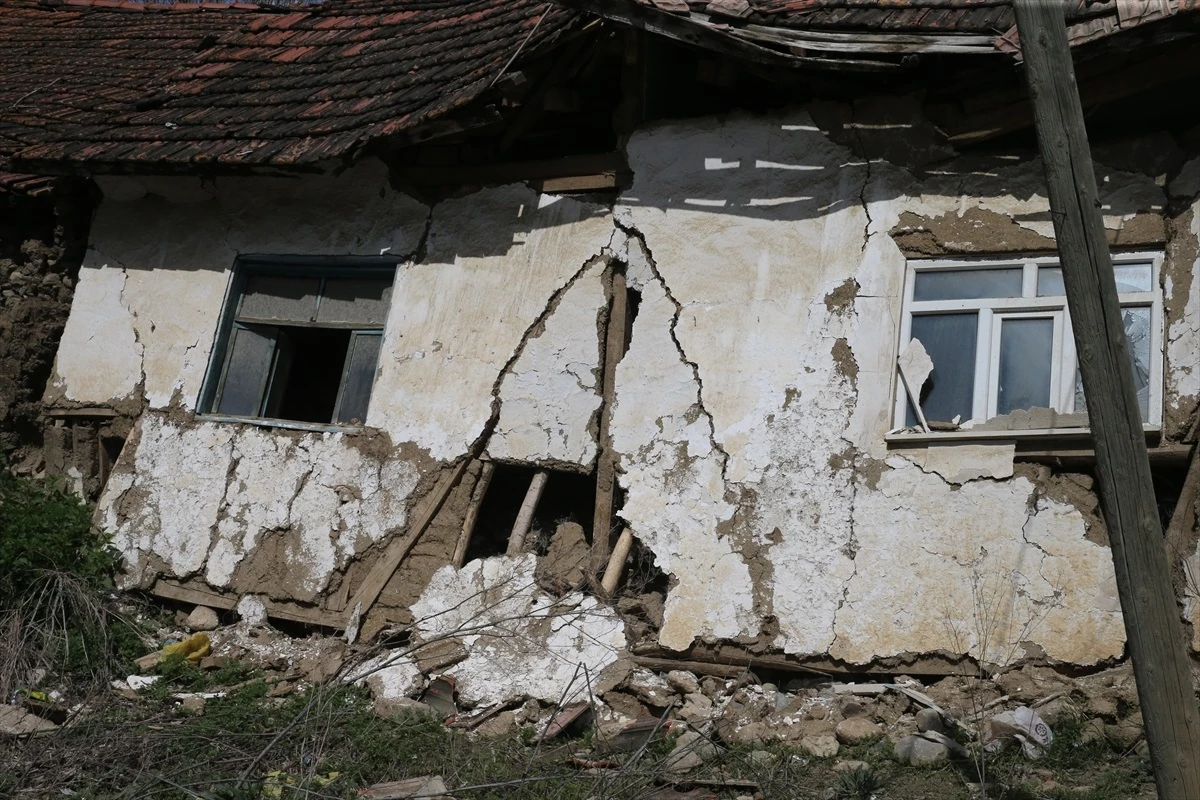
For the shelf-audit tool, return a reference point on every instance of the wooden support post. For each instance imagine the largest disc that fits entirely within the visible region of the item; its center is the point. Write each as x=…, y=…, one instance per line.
x=1156, y=643
x=616, y=564
x=468, y=528
x=1179, y=529
x=520, y=529
x=606, y=462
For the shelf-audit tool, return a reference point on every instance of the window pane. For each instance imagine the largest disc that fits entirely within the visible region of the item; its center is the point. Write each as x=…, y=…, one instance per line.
x=250, y=355
x=967, y=284
x=355, y=300
x=360, y=374
x=276, y=298
x=1130, y=278
x=1137, y=331
x=1026, y=359
x=950, y=341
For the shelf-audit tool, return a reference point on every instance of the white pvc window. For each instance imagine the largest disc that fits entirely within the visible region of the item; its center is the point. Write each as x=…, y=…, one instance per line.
x=999, y=335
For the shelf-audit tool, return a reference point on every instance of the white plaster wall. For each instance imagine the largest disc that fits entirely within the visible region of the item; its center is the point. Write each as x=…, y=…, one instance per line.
x=551, y=394
x=154, y=279
x=495, y=260
x=750, y=224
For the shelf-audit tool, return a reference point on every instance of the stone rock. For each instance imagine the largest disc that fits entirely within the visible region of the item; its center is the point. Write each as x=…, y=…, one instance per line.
x=918, y=751
x=1031, y=683
x=392, y=707
x=857, y=729
x=202, y=618
x=929, y=720
x=503, y=724
x=16, y=721
x=691, y=751
x=193, y=705
x=625, y=705
x=820, y=746
x=1103, y=705
x=1127, y=732
x=743, y=732
x=1093, y=731
x=696, y=710
x=215, y=662
x=612, y=676
x=761, y=757
x=683, y=681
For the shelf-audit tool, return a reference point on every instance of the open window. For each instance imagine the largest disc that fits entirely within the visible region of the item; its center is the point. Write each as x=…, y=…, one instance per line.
x=999, y=336
x=300, y=342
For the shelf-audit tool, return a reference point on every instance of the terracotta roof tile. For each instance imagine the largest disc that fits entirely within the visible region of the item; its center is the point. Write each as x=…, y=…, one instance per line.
x=146, y=83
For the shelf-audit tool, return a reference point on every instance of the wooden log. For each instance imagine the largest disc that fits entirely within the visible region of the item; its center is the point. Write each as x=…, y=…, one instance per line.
x=520, y=529
x=385, y=567
x=468, y=528
x=616, y=564
x=1156, y=642
x=606, y=462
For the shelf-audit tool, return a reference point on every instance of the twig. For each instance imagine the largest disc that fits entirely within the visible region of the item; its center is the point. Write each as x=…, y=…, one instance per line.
x=37, y=89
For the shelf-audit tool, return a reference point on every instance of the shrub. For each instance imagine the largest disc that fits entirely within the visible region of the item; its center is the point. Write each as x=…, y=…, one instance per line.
x=45, y=529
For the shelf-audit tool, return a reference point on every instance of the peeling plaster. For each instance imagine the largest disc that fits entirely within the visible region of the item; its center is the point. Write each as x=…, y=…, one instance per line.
x=551, y=393
x=495, y=259
x=160, y=254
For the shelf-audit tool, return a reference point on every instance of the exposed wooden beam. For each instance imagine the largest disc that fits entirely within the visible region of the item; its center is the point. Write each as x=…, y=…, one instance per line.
x=1156, y=643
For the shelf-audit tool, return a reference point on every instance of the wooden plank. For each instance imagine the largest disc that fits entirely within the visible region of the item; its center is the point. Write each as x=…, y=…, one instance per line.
x=1179, y=530
x=275, y=610
x=477, y=494
x=520, y=529
x=385, y=567
x=544, y=170
x=606, y=463
x=1156, y=642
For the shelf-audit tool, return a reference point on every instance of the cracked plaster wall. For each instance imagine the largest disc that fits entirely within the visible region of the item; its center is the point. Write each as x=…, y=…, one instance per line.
x=752, y=406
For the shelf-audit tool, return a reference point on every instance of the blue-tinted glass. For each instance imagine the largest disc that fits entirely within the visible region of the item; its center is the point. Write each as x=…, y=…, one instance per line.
x=1137, y=332
x=1026, y=358
x=950, y=341
x=967, y=284
x=1130, y=278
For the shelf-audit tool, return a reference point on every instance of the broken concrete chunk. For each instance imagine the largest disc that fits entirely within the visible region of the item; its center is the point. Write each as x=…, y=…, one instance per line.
x=691, y=751
x=439, y=655
x=929, y=720
x=202, y=618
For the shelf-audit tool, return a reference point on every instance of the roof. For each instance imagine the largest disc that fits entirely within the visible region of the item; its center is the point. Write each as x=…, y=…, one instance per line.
x=106, y=82
x=865, y=34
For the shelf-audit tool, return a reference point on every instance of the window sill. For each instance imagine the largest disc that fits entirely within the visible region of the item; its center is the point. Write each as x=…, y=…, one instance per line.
x=286, y=424
x=1153, y=433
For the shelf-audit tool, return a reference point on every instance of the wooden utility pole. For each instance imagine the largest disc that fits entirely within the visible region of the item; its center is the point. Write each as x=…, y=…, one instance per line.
x=1160, y=661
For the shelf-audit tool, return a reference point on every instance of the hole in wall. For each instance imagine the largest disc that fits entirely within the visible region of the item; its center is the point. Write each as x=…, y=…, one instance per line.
x=568, y=496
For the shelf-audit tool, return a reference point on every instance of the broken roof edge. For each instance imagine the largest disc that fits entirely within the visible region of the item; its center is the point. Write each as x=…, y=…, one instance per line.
x=864, y=49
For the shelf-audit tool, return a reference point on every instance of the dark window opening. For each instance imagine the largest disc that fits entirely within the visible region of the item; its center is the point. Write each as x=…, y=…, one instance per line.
x=303, y=347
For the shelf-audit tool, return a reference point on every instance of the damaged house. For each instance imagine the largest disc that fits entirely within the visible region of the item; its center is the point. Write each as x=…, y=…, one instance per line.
x=413, y=314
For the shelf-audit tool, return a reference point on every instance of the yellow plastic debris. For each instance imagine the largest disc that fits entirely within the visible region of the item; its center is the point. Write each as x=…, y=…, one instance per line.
x=193, y=648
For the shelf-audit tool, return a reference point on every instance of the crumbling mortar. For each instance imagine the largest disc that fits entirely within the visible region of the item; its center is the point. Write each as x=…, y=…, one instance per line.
x=695, y=367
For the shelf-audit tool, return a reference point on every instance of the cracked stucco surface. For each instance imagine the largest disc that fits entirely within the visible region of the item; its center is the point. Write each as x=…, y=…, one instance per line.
x=159, y=260
x=461, y=317
x=749, y=417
